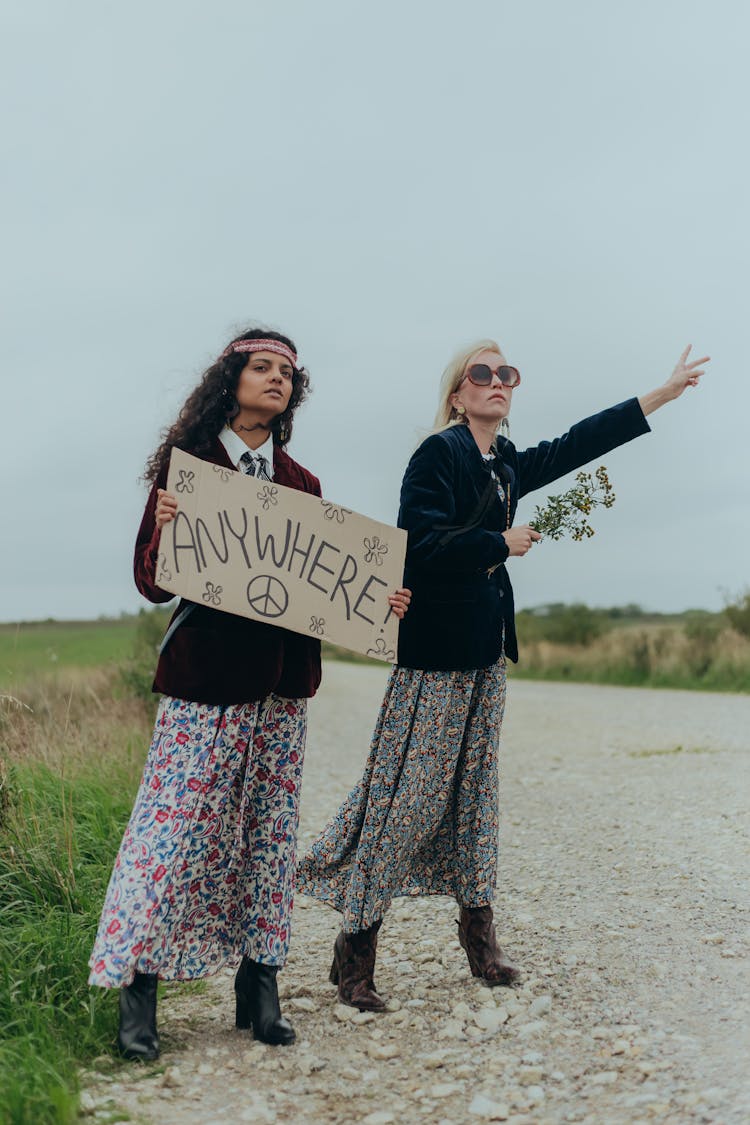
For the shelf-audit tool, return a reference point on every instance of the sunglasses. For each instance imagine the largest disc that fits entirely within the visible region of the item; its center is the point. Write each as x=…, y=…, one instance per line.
x=480, y=374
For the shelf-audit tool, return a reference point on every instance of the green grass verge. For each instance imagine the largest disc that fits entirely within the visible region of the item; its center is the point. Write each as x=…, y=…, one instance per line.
x=60, y=827
x=724, y=680
x=39, y=648
x=46, y=648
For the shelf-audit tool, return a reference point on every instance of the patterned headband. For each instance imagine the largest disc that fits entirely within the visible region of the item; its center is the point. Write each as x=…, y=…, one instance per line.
x=261, y=346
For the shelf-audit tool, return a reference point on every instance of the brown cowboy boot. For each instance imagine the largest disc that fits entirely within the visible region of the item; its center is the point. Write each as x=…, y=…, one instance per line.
x=486, y=959
x=353, y=969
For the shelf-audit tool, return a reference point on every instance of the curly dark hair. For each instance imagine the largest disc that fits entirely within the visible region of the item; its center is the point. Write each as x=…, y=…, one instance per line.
x=212, y=403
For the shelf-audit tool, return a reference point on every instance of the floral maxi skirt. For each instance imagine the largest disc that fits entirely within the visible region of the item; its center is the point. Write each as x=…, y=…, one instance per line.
x=424, y=818
x=206, y=869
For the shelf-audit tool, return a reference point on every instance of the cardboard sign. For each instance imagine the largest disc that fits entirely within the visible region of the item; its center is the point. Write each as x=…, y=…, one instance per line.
x=261, y=550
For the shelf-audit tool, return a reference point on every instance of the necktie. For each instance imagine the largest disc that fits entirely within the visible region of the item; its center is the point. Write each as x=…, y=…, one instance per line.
x=254, y=465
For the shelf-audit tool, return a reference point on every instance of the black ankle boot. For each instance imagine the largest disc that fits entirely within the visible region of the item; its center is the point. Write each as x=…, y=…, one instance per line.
x=137, y=1037
x=258, y=1003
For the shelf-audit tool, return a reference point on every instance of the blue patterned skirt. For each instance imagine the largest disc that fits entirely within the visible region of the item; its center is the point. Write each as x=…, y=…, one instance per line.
x=424, y=818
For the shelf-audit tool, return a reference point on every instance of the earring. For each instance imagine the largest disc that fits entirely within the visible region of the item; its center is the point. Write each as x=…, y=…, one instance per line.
x=460, y=409
x=505, y=428
x=281, y=429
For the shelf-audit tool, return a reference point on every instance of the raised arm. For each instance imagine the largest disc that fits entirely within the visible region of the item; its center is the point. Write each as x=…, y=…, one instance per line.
x=598, y=434
x=684, y=375
x=588, y=439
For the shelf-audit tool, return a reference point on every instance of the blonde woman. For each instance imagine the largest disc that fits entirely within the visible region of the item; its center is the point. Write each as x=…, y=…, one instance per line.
x=424, y=817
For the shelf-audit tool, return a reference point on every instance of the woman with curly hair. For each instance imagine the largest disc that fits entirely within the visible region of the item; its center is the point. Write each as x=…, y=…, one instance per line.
x=206, y=869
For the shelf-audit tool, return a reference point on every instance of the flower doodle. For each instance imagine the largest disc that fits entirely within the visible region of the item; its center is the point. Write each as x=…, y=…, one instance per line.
x=224, y=474
x=375, y=550
x=212, y=593
x=185, y=483
x=316, y=625
x=335, y=511
x=164, y=572
x=380, y=651
x=269, y=495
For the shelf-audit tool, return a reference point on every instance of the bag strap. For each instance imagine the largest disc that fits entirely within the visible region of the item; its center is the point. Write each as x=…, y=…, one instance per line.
x=180, y=619
x=482, y=506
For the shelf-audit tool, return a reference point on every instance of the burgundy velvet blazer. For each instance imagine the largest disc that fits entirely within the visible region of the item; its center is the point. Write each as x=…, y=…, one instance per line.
x=217, y=657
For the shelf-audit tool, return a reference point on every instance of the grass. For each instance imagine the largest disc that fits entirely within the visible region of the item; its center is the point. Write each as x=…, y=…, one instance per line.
x=46, y=648
x=69, y=767
x=33, y=648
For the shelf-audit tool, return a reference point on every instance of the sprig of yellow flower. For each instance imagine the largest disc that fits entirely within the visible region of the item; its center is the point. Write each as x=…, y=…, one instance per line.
x=567, y=514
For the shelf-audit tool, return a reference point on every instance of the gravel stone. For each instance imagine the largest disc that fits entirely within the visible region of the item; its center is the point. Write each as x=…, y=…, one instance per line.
x=489, y=1109
x=541, y=1006
x=378, y=1050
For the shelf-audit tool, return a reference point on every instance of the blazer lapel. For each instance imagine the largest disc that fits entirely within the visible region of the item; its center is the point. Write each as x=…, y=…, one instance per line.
x=282, y=466
x=219, y=456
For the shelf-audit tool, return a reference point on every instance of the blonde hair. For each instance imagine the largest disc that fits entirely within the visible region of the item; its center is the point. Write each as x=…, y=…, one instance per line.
x=453, y=376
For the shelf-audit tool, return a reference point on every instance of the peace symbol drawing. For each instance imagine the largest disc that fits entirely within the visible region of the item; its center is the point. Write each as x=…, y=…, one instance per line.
x=267, y=596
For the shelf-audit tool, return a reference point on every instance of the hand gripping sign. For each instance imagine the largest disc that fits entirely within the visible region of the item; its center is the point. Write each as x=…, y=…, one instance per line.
x=261, y=550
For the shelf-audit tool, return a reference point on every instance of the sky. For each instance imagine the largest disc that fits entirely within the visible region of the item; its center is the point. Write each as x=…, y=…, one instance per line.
x=385, y=183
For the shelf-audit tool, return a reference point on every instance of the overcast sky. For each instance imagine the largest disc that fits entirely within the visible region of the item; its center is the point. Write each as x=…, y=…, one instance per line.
x=385, y=183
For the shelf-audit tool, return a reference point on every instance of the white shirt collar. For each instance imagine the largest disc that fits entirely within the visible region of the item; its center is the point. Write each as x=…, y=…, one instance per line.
x=235, y=447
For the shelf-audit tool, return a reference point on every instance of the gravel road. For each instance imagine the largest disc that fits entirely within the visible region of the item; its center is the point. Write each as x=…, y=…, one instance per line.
x=623, y=894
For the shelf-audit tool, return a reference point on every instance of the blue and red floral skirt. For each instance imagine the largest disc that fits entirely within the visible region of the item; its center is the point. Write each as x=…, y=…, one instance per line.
x=206, y=869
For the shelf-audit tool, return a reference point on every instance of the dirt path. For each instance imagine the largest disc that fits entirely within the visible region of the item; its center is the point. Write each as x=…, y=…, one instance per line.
x=623, y=894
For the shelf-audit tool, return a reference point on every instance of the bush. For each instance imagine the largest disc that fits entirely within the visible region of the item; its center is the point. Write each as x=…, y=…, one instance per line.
x=738, y=614
x=562, y=624
x=137, y=673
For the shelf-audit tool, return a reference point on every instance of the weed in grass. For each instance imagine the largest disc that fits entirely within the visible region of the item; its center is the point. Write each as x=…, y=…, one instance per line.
x=193, y=987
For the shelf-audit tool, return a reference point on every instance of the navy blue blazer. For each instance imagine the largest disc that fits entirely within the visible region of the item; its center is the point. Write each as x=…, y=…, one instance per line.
x=460, y=605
